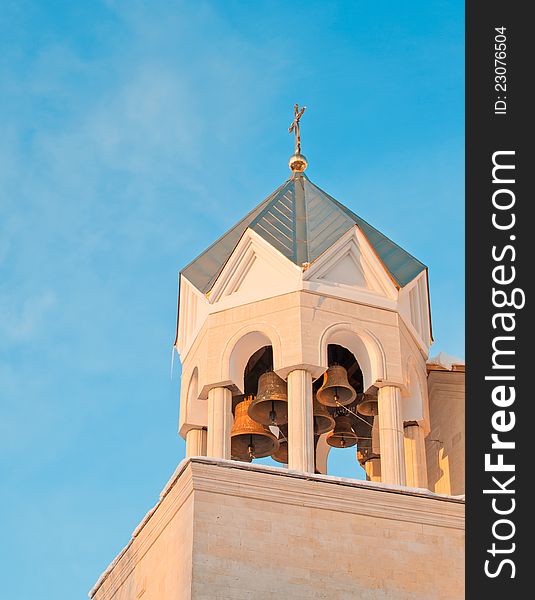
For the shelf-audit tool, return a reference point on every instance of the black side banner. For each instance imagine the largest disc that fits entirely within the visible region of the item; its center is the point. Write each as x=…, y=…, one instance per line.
x=500, y=258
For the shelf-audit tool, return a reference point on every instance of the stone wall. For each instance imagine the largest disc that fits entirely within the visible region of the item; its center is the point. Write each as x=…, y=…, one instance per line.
x=157, y=562
x=445, y=444
x=264, y=533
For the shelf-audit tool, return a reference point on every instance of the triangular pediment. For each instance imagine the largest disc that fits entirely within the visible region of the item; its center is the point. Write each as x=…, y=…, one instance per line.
x=254, y=271
x=346, y=271
x=351, y=264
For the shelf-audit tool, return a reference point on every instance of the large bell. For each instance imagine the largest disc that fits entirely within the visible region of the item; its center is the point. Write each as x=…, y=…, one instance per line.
x=368, y=406
x=248, y=438
x=336, y=389
x=343, y=435
x=271, y=404
x=323, y=421
x=281, y=455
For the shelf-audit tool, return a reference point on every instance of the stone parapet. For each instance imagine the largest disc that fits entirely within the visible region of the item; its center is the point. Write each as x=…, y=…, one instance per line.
x=225, y=529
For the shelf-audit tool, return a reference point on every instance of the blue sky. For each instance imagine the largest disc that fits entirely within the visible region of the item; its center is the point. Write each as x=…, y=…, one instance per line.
x=132, y=134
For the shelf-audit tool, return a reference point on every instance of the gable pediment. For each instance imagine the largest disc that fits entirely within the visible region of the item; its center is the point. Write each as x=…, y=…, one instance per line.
x=254, y=271
x=347, y=270
x=351, y=266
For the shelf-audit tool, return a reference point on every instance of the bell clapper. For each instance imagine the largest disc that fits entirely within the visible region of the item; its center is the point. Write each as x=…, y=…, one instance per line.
x=250, y=448
x=273, y=413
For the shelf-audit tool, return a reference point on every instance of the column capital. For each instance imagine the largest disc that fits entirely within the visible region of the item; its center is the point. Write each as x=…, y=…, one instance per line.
x=230, y=385
x=381, y=383
x=315, y=370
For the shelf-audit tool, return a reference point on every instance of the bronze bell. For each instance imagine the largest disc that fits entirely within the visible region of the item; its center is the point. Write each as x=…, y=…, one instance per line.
x=364, y=450
x=271, y=404
x=281, y=455
x=248, y=438
x=343, y=435
x=323, y=421
x=368, y=406
x=336, y=389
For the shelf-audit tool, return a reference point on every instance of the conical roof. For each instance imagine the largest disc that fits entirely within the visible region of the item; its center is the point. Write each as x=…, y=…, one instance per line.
x=300, y=220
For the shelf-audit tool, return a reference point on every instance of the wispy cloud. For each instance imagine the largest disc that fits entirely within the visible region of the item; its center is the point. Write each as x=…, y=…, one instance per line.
x=21, y=321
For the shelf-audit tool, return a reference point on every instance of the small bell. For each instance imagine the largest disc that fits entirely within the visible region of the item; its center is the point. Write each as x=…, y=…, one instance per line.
x=250, y=439
x=323, y=421
x=368, y=406
x=364, y=450
x=270, y=406
x=281, y=455
x=336, y=389
x=343, y=435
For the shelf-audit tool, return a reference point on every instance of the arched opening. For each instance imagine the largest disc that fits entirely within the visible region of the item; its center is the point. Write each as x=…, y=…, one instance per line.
x=260, y=362
x=363, y=345
x=250, y=438
x=352, y=435
x=257, y=437
x=242, y=347
x=195, y=409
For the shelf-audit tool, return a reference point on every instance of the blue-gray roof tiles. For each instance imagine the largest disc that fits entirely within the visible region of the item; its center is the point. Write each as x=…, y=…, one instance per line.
x=301, y=221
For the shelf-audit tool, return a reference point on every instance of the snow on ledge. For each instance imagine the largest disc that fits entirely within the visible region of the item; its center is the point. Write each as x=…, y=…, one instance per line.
x=446, y=361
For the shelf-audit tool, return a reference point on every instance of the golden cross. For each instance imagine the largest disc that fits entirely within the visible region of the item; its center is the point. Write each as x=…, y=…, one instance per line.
x=295, y=127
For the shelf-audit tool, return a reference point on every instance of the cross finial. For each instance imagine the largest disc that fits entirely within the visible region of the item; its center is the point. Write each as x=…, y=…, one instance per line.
x=295, y=127
x=298, y=163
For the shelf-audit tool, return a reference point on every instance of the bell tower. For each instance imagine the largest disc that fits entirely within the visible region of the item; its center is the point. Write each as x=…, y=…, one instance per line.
x=319, y=325
x=301, y=330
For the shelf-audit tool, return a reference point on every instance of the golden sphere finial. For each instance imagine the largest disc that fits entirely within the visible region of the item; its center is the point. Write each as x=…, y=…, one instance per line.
x=298, y=163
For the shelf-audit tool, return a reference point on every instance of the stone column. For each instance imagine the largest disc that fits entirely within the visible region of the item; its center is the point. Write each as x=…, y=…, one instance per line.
x=219, y=422
x=196, y=442
x=300, y=421
x=415, y=460
x=391, y=436
x=373, y=468
x=373, y=462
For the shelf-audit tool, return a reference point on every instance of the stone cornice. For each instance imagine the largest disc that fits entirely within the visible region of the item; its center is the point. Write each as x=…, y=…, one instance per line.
x=327, y=492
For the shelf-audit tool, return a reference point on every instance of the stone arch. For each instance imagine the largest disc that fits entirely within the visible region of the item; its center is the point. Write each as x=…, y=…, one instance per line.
x=364, y=346
x=195, y=409
x=242, y=346
x=193, y=386
x=415, y=397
